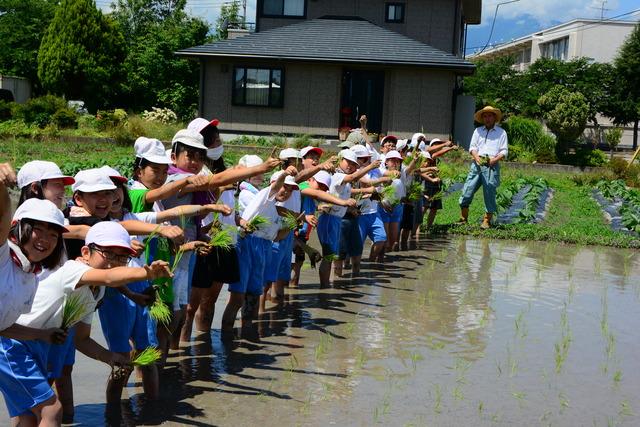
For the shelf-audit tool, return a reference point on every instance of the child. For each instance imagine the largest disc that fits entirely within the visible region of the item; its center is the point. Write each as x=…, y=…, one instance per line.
x=330, y=221
x=432, y=182
x=254, y=248
x=43, y=180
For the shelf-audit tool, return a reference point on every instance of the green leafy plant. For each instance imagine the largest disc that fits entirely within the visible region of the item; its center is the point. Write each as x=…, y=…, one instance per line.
x=146, y=357
x=290, y=221
x=415, y=191
x=257, y=223
x=221, y=238
x=159, y=311
x=73, y=311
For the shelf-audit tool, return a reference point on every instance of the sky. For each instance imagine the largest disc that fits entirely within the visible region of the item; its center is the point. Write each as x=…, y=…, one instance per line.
x=513, y=20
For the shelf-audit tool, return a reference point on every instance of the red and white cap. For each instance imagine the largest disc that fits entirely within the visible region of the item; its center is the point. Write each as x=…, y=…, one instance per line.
x=40, y=210
x=250, y=160
x=114, y=174
x=39, y=170
x=389, y=138
x=189, y=137
x=289, y=153
x=393, y=154
x=323, y=177
x=349, y=155
x=92, y=181
x=109, y=234
x=310, y=149
x=199, y=124
x=152, y=150
x=361, y=151
x=289, y=180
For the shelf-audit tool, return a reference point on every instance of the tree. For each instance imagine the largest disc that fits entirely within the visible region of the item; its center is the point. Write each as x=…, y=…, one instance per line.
x=156, y=77
x=624, y=105
x=22, y=25
x=229, y=18
x=565, y=114
x=81, y=54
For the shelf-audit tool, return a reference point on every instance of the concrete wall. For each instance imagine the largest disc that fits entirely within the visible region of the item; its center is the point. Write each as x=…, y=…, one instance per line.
x=19, y=86
x=601, y=42
x=434, y=22
x=415, y=100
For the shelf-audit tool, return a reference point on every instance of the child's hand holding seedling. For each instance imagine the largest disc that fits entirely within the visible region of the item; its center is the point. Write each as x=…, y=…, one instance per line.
x=158, y=270
x=198, y=180
x=220, y=208
x=172, y=232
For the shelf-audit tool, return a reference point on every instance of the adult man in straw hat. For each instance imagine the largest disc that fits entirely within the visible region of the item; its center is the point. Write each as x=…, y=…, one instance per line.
x=488, y=146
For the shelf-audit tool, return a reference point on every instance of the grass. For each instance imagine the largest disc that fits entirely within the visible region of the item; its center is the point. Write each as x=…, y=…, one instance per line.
x=160, y=312
x=146, y=357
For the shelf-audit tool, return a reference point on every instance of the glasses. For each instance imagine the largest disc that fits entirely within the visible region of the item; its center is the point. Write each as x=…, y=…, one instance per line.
x=111, y=257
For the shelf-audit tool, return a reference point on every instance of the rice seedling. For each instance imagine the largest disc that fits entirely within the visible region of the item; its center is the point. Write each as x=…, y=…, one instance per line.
x=323, y=346
x=457, y=392
x=153, y=235
x=291, y=221
x=160, y=312
x=561, y=348
x=221, y=238
x=480, y=407
x=176, y=259
x=625, y=409
x=388, y=195
x=415, y=358
x=564, y=402
x=415, y=191
x=361, y=357
x=331, y=258
x=437, y=400
x=617, y=377
x=519, y=395
x=146, y=357
x=256, y=223
x=386, y=328
x=73, y=311
x=498, y=367
x=351, y=326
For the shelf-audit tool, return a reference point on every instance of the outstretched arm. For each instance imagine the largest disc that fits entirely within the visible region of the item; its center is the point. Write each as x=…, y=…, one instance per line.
x=120, y=276
x=7, y=179
x=361, y=172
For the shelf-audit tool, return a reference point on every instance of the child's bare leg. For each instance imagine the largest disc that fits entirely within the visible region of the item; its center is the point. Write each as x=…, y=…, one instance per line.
x=236, y=300
x=325, y=273
x=116, y=385
x=178, y=315
x=206, y=310
x=64, y=390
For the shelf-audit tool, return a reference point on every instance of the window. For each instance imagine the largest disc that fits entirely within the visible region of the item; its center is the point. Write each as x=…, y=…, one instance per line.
x=284, y=8
x=394, y=12
x=261, y=87
x=556, y=49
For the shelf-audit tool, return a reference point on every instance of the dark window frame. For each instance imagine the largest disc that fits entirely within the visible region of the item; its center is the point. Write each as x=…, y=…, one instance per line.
x=394, y=21
x=243, y=102
x=281, y=16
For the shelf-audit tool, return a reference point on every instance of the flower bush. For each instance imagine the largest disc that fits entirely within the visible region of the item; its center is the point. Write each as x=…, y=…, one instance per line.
x=162, y=115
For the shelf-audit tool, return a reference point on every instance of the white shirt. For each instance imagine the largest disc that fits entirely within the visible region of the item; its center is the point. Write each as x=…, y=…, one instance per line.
x=368, y=206
x=46, y=311
x=489, y=142
x=226, y=198
x=264, y=204
x=339, y=189
x=293, y=203
x=247, y=193
x=17, y=289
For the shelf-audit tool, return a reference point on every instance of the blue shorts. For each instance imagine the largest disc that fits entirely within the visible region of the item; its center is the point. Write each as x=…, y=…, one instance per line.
x=23, y=375
x=61, y=355
x=329, y=234
x=279, y=266
x=371, y=226
x=394, y=216
x=254, y=253
x=122, y=319
x=351, y=243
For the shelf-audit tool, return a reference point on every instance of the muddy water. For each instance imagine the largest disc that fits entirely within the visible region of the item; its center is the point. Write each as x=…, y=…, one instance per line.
x=460, y=332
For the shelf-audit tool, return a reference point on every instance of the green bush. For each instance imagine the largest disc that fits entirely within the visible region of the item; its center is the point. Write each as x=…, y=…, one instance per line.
x=39, y=111
x=108, y=119
x=122, y=134
x=523, y=131
x=87, y=121
x=18, y=129
x=585, y=156
x=546, y=149
x=65, y=118
x=5, y=110
x=301, y=141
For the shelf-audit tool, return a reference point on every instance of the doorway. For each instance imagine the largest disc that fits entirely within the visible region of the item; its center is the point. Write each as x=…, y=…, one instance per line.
x=362, y=93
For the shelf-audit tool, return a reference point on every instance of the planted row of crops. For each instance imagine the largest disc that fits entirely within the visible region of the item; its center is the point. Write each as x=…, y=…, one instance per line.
x=621, y=203
x=523, y=201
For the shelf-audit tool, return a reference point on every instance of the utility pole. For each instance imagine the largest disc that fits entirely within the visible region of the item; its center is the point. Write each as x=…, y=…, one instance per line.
x=602, y=9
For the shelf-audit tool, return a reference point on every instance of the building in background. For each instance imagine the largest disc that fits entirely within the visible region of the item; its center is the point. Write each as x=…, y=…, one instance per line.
x=19, y=87
x=315, y=66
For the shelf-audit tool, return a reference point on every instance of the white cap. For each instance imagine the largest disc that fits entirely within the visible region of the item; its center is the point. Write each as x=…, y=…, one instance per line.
x=289, y=153
x=289, y=180
x=109, y=234
x=39, y=170
x=307, y=150
x=190, y=138
x=393, y=154
x=151, y=149
x=199, y=123
x=401, y=144
x=250, y=160
x=434, y=140
x=93, y=180
x=348, y=155
x=361, y=151
x=40, y=210
x=323, y=177
x=114, y=174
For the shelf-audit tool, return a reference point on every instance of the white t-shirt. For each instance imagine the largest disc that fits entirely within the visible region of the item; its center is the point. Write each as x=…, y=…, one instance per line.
x=293, y=203
x=17, y=289
x=368, y=206
x=339, y=189
x=265, y=205
x=46, y=311
x=226, y=198
x=246, y=195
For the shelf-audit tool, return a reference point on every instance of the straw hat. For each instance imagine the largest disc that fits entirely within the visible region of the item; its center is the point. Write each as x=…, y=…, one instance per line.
x=488, y=109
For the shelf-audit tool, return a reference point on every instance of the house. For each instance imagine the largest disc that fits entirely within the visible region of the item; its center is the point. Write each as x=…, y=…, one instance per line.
x=591, y=38
x=315, y=66
x=14, y=88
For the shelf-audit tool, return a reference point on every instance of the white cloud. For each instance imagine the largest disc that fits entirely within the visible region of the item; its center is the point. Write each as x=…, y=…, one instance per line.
x=545, y=12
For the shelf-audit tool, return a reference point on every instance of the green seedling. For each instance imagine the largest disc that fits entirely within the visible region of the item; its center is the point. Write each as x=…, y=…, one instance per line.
x=146, y=357
x=437, y=401
x=160, y=312
x=73, y=311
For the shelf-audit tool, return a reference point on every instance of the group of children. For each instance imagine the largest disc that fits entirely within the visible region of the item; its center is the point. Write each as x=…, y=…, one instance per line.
x=171, y=236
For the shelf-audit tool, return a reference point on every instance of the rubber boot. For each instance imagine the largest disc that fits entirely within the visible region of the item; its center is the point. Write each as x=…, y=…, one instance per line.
x=486, y=221
x=464, y=215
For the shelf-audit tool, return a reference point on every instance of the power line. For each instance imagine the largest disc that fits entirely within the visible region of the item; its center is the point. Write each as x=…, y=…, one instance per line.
x=495, y=15
x=580, y=27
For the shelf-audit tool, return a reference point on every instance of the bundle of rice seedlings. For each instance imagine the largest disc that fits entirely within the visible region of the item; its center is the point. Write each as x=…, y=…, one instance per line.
x=73, y=311
x=314, y=255
x=154, y=234
x=159, y=311
x=331, y=258
x=388, y=195
x=415, y=192
x=146, y=357
x=221, y=238
x=257, y=222
x=290, y=221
